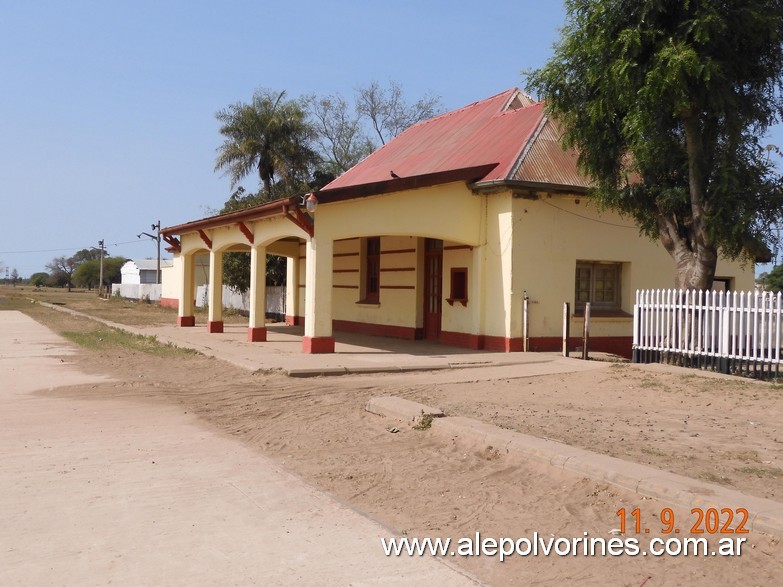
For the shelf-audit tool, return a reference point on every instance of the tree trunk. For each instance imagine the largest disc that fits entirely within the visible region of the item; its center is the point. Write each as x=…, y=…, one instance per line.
x=694, y=253
x=695, y=269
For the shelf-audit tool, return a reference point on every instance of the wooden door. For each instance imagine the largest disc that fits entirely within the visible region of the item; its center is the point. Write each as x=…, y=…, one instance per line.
x=433, y=288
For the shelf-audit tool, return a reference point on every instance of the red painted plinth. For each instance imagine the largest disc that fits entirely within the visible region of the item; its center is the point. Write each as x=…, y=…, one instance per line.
x=215, y=327
x=186, y=320
x=256, y=334
x=318, y=344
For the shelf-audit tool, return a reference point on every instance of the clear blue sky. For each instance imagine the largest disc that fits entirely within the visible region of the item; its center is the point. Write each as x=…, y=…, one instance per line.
x=107, y=108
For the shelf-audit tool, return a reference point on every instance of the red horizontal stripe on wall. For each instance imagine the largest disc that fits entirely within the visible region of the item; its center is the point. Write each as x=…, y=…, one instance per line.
x=169, y=303
x=405, y=332
x=396, y=251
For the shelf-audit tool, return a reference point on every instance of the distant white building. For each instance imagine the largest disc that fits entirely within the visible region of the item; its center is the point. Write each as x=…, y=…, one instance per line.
x=142, y=271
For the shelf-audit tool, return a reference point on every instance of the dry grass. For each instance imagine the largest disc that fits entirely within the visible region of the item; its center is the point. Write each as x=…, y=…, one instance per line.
x=120, y=310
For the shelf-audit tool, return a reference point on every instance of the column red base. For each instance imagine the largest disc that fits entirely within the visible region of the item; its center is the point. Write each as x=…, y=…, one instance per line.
x=215, y=327
x=256, y=334
x=318, y=344
x=186, y=320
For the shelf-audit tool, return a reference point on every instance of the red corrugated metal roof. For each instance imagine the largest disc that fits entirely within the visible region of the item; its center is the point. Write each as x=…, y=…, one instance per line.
x=545, y=161
x=483, y=133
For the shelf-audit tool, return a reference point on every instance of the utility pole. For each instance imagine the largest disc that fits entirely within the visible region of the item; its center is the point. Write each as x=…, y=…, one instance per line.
x=156, y=238
x=100, y=279
x=156, y=228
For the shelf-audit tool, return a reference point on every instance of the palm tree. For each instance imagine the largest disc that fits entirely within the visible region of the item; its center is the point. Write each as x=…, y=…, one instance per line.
x=270, y=135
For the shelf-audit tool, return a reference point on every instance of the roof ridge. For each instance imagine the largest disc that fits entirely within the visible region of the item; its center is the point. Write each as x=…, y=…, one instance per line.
x=471, y=105
x=520, y=109
x=493, y=129
x=439, y=117
x=531, y=140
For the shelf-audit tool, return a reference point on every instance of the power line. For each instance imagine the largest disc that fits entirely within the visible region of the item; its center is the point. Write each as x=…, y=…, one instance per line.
x=136, y=242
x=587, y=217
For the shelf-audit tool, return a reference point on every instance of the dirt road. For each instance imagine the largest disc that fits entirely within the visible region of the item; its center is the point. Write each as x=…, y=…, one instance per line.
x=417, y=484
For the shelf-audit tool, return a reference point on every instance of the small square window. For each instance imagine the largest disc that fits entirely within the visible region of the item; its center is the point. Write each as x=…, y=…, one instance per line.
x=598, y=283
x=459, y=286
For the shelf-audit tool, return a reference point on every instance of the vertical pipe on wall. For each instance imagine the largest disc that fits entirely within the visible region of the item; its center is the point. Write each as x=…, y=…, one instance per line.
x=525, y=324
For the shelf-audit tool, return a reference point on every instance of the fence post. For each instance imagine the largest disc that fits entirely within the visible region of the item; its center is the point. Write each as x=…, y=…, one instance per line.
x=586, y=332
x=636, y=317
x=566, y=326
x=725, y=334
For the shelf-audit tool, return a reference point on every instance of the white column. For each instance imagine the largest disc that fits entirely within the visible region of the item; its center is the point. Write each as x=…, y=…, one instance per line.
x=292, y=290
x=318, y=297
x=477, y=296
x=256, y=331
x=215, y=323
x=186, y=306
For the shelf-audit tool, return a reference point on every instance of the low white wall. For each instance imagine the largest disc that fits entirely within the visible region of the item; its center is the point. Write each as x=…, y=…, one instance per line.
x=275, y=299
x=275, y=296
x=137, y=291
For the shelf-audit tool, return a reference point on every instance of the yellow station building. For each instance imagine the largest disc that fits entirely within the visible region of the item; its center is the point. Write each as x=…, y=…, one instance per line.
x=441, y=235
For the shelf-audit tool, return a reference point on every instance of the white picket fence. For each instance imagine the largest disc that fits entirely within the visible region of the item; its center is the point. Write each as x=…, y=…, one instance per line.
x=731, y=332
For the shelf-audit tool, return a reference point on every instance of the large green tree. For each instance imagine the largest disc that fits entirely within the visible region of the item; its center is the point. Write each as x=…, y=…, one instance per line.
x=62, y=269
x=269, y=136
x=39, y=279
x=666, y=102
x=773, y=281
x=88, y=273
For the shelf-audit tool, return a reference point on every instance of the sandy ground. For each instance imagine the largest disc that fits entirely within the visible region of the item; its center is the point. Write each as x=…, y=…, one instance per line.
x=720, y=429
x=418, y=484
x=133, y=492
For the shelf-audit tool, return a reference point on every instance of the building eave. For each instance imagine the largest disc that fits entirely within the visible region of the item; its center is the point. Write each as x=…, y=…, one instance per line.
x=467, y=174
x=275, y=208
x=482, y=187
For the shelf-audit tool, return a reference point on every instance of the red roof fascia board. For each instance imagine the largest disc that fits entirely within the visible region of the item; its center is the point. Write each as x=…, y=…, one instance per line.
x=274, y=208
x=469, y=174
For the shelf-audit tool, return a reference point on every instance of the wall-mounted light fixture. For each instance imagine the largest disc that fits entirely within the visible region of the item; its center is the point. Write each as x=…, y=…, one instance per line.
x=311, y=203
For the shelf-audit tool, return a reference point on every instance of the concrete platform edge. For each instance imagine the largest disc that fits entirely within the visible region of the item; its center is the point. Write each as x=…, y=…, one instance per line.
x=765, y=515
